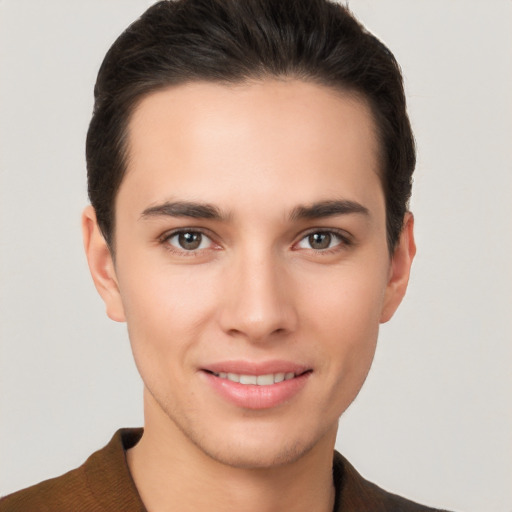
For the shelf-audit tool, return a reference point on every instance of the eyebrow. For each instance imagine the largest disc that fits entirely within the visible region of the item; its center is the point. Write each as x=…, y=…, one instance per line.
x=328, y=209
x=208, y=211
x=184, y=209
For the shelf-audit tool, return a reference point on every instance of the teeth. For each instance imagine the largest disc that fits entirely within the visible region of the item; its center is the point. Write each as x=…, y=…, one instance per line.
x=265, y=380
x=256, y=380
x=248, y=379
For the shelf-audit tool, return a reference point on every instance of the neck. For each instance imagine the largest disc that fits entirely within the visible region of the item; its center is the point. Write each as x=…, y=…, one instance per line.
x=171, y=473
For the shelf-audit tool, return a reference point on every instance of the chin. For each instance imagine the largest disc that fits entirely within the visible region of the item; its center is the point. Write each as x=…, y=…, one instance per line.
x=253, y=445
x=250, y=440
x=257, y=456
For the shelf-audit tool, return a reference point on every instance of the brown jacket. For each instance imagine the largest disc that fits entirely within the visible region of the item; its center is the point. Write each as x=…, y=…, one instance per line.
x=103, y=483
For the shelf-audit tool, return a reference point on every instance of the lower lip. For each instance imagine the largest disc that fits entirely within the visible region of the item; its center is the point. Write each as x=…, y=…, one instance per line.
x=250, y=396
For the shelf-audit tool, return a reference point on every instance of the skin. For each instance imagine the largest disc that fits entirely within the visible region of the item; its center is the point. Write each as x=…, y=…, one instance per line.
x=258, y=288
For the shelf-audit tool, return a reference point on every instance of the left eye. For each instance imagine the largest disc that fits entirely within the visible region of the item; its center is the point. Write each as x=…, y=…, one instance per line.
x=320, y=240
x=189, y=240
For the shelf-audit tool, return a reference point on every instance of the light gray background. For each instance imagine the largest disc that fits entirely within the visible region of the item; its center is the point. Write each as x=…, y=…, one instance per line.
x=434, y=420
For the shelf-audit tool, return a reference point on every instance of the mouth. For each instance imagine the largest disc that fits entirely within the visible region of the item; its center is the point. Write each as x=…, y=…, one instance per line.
x=256, y=380
x=257, y=386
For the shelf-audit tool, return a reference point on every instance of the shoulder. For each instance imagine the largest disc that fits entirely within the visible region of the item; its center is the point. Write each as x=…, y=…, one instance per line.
x=101, y=482
x=356, y=494
x=66, y=492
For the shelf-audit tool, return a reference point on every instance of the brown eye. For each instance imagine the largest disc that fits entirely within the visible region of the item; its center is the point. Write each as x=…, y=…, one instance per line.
x=320, y=240
x=189, y=240
x=323, y=240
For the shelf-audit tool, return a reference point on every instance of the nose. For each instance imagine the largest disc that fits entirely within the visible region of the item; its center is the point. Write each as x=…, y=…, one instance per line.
x=258, y=303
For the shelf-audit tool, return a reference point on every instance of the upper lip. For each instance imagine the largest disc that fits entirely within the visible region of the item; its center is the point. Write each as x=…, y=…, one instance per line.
x=242, y=367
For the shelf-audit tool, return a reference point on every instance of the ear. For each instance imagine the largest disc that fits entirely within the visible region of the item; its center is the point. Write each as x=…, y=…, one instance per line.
x=101, y=265
x=400, y=269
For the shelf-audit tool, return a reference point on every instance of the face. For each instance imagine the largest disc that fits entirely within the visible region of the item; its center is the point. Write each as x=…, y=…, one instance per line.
x=251, y=264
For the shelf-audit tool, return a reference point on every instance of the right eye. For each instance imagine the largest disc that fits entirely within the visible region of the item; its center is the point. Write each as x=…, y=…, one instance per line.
x=188, y=240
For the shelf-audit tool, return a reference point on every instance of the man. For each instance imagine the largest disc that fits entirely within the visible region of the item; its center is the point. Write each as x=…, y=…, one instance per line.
x=249, y=170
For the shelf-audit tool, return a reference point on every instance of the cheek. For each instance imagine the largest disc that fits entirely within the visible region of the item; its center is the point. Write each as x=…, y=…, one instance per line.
x=171, y=295
x=166, y=308
x=346, y=311
x=344, y=325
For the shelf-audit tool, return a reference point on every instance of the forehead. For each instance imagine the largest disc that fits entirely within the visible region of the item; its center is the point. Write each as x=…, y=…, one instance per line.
x=213, y=140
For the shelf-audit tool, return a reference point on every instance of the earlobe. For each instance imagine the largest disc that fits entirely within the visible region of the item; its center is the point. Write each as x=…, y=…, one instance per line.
x=400, y=269
x=101, y=265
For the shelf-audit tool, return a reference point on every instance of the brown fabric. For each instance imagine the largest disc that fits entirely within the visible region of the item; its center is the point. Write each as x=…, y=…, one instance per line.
x=355, y=494
x=103, y=483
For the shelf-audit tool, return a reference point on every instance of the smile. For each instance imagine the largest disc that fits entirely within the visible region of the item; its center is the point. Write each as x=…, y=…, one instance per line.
x=256, y=380
x=263, y=389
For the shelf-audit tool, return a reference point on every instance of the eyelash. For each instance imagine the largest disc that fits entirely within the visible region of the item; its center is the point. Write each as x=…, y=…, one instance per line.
x=165, y=241
x=344, y=241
